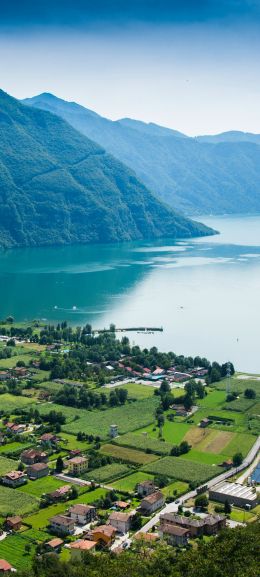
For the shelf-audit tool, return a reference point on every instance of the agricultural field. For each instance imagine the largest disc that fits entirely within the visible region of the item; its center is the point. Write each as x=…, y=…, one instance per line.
x=129, y=483
x=135, y=390
x=12, y=549
x=14, y=448
x=70, y=442
x=240, y=442
x=14, y=502
x=41, y=486
x=11, y=363
x=241, y=405
x=129, y=455
x=214, y=398
x=240, y=382
x=107, y=473
x=172, y=431
x=183, y=470
x=215, y=441
x=175, y=489
x=144, y=442
x=206, y=458
x=9, y=402
x=49, y=386
x=7, y=465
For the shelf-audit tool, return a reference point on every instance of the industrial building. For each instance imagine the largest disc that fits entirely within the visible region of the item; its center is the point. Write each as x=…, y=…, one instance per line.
x=235, y=494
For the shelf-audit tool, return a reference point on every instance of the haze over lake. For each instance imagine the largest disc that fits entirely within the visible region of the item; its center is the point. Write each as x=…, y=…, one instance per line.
x=204, y=292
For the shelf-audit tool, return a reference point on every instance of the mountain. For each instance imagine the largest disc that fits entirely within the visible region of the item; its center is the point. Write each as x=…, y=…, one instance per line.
x=195, y=175
x=59, y=187
x=231, y=136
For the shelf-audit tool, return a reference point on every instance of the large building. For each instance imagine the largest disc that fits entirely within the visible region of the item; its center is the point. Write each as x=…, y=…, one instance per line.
x=77, y=465
x=208, y=525
x=152, y=502
x=235, y=494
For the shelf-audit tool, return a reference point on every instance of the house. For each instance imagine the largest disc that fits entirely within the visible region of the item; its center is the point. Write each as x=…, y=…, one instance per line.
x=37, y=471
x=14, y=479
x=158, y=372
x=60, y=494
x=77, y=465
x=62, y=524
x=20, y=372
x=49, y=438
x=13, y=523
x=120, y=521
x=121, y=505
x=54, y=545
x=80, y=546
x=14, y=428
x=228, y=464
x=204, y=423
x=103, y=534
x=32, y=456
x=75, y=453
x=146, y=488
x=82, y=514
x=4, y=375
x=5, y=566
x=174, y=535
x=152, y=502
x=209, y=525
x=113, y=431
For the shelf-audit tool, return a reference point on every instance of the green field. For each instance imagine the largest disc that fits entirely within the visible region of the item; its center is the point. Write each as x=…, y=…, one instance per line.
x=144, y=442
x=179, y=486
x=129, y=483
x=50, y=386
x=9, y=403
x=14, y=447
x=107, y=473
x=40, y=520
x=214, y=398
x=7, y=465
x=183, y=470
x=201, y=457
x=172, y=432
x=12, y=549
x=129, y=455
x=241, y=442
x=15, y=502
x=241, y=405
x=135, y=391
x=41, y=486
x=10, y=363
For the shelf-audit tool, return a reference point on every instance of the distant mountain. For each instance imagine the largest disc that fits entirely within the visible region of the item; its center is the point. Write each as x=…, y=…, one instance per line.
x=231, y=136
x=195, y=175
x=59, y=187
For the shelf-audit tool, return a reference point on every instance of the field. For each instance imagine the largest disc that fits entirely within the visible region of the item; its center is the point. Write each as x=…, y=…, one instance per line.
x=182, y=469
x=240, y=442
x=7, y=465
x=128, y=455
x=10, y=363
x=129, y=483
x=172, y=432
x=41, y=486
x=9, y=402
x=135, y=391
x=215, y=441
x=240, y=405
x=14, y=447
x=40, y=520
x=70, y=442
x=201, y=457
x=107, y=473
x=12, y=549
x=175, y=489
x=144, y=442
x=14, y=502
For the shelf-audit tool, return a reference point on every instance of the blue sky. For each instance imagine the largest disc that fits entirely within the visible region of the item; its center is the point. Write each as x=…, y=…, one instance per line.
x=191, y=65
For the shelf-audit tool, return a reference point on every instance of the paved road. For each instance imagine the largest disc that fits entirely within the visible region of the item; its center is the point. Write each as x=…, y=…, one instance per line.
x=80, y=482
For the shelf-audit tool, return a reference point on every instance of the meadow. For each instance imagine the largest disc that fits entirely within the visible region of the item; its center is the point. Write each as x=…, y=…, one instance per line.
x=183, y=470
x=41, y=486
x=144, y=442
x=107, y=473
x=7, y=465
x=128, y=455
x=14, y=502
x=173, y=432
x=12, y=549
x=129, y=483
x=9, y=403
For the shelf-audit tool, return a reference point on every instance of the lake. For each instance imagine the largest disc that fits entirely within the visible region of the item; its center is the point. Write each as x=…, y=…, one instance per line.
x=204, y=292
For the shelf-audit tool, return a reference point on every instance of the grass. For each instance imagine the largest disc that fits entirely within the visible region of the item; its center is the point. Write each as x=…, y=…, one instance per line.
x=183, y=470
x=14, y=447
x=71, y=442
x=241, y=405
x=201, y=457
x=9, y=403
x=10, y=363
x=50, y=386
x=7, y=465
x=15, y=502
x=128, y=417
x=173, y=432
x=144, y=442
x=107, y=473
x=40, y=520
x=214, y=398
x=241, y=442
x=129, y=483
x=215, y=441
x=129, y=455
x=241, y=516
x=135, y=391
x=12, y=549
x=178, y=486
x=40, y=486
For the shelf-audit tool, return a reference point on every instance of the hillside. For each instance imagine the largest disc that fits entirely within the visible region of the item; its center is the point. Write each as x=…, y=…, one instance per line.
x=59, y=187
x=204, y=175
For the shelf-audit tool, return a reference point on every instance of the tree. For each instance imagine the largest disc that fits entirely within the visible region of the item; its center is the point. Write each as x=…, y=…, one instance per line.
x=237, y=459
x=202, y=501
x=59, y=465
x=227, y=507
x=161, y=481
x=136, y=522
x=9, y=320
x=74, y=492
x=250, y=394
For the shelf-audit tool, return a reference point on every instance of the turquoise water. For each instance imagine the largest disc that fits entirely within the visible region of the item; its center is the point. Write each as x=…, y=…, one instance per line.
x=205, y=292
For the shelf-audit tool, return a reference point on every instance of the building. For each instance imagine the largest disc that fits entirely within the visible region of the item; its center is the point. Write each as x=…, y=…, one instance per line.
x=174, y=535
x=32, y=456
x=14, y=479
x=120, y=521
x=146, y=488
x=5, y=566
x=60, y=494
x=4, y=375
x=49, y=438
x=121, y=505
x=80, y=546
x=152, y=502
x=113, y=431
x=77, y=465
x=54, y=545
x=37, y=471
x=14, y=428
x=13, y=523
x=204, y=423
x=62, y=524
x=103, y=534
x=20, y=372
x=82, y=514
x=209, y=525
x=235, y=494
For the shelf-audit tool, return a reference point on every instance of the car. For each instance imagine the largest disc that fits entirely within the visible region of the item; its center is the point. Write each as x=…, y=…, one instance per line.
x=177, y=501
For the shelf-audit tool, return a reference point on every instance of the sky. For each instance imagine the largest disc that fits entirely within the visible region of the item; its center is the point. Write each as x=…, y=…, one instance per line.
x=192, y=65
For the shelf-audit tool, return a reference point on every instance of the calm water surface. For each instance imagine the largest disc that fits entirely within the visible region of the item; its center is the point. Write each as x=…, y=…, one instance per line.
x=205, y=292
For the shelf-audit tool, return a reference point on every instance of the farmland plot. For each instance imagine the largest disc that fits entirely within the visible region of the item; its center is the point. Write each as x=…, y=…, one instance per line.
x=13, y=502
x=143, y=442
x=129, y=455
x=183, y=470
